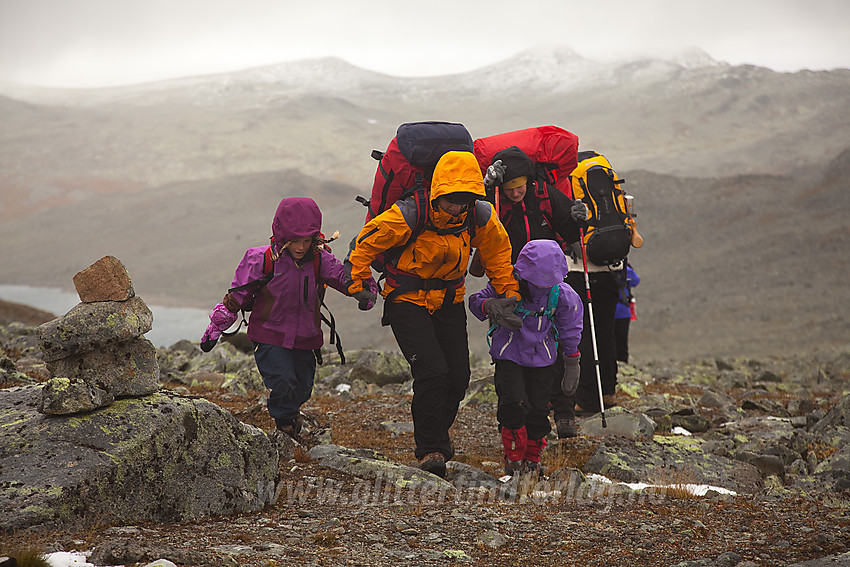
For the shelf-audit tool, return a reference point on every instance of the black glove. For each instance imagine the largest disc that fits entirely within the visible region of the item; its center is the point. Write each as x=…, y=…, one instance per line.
x=578, y=212
x=208, y=345
x=572, y=371
x=495, y=173
x=365, y=299
x=500, y=311
x=575, y=251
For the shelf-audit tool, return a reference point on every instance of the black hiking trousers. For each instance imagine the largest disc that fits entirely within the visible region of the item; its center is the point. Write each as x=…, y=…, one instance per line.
x=621, y=332
x=436, y=347
x=523, y=393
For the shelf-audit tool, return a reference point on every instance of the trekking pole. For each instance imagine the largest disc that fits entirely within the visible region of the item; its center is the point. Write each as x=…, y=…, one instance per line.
x=592, y=328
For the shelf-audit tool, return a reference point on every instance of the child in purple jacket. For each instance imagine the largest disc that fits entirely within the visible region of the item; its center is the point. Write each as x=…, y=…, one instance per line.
x=525, y=345
x=285, y=321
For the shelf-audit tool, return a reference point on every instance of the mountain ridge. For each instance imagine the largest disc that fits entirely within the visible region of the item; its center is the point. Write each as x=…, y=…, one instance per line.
x=313, y=72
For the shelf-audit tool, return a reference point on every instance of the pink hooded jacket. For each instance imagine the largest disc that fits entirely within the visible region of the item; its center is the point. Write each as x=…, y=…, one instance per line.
x=286, y=310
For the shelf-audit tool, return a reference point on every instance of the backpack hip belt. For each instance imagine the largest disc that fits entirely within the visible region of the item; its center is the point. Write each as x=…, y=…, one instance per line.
x=403, y=282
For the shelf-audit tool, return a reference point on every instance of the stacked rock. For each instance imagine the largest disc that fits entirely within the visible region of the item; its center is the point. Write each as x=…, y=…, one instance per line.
x=96, y=352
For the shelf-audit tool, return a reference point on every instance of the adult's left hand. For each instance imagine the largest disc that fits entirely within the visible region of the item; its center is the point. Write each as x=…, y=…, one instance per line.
x=578, y=211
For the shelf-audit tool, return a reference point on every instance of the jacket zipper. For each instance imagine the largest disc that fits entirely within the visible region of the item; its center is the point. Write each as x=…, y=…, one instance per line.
x=510, y=338
x=525, y=219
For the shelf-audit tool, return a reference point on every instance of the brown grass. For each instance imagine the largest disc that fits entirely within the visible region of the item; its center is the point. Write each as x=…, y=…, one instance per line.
x=672, y=483
x=27, y=557
x=568, y=454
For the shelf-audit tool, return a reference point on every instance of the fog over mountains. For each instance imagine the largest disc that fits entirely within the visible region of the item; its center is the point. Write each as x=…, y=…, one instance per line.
x=740, y=177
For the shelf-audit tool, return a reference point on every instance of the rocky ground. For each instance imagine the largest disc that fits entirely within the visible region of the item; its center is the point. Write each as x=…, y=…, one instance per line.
x=326, y=517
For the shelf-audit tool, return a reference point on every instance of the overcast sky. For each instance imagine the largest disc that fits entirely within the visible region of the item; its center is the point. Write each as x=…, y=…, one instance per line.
x=92, y=43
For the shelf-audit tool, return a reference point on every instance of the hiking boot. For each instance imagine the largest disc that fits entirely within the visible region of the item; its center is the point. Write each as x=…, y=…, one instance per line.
x=289, y=431
x=585, y=412
x=513, y=468
x=532, y=468
x=533, y=453
x=292, y=429
x=566, y=428
x=434, y=463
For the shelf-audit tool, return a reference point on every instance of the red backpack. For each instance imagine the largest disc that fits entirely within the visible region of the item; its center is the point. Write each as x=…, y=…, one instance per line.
x=554, y=149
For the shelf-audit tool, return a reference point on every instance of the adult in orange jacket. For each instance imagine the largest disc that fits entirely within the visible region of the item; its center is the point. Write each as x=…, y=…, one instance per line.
x=424, y=290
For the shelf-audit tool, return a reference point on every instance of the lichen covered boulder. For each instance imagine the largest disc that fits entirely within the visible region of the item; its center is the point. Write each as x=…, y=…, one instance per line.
x=155, y=458
x=123, y=369
x=91, y=326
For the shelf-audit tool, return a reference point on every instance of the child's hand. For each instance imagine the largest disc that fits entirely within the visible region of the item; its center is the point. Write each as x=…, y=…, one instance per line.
x=221, y=319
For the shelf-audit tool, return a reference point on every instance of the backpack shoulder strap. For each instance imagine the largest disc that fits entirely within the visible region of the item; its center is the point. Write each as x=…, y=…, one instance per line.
x=421, y=208
x=541, y=191
x=317, y=264
x=328, y=320
x=551, y=306
x=268, y=261
x=268, y=273
x=552, y=303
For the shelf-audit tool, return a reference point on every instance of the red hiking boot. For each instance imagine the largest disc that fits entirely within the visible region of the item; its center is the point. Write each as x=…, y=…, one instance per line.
x=533, y=453
x=514, y=442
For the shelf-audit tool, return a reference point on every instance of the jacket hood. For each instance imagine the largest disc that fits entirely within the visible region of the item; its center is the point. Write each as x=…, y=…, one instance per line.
x=296, y=217
x=457, y=172
x=542, y=262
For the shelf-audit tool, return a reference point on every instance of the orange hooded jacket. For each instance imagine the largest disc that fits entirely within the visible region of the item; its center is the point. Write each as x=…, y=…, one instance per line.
x=434, y=255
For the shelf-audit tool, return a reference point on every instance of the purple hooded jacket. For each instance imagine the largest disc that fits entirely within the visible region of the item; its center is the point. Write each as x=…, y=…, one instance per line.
x=286, y=310
x=543, y=265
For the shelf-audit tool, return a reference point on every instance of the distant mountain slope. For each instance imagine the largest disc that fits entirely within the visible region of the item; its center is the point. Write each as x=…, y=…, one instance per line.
x=693, y=117
x=744, y=265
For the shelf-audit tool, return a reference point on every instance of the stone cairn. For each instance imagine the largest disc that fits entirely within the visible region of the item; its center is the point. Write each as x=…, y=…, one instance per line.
x=96, y=352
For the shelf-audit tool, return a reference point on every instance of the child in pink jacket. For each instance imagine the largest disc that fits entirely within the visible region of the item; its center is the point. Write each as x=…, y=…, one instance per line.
x=281, y=285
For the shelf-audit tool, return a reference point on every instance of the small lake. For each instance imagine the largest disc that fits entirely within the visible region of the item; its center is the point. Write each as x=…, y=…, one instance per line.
x=170, y=324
